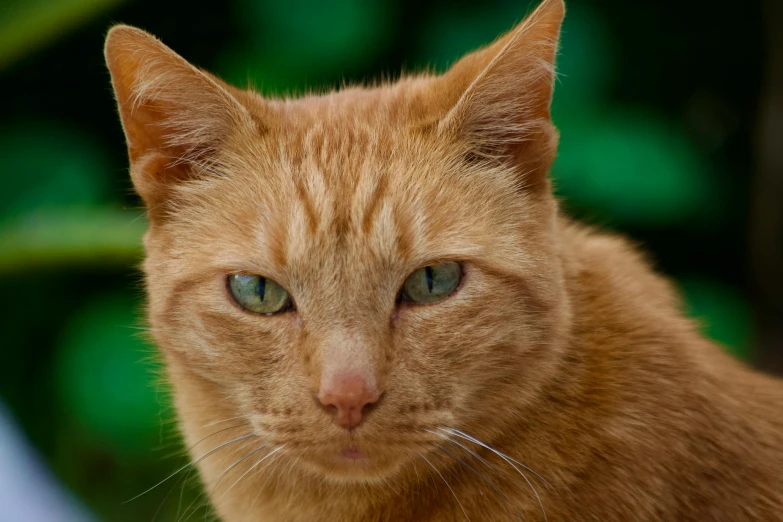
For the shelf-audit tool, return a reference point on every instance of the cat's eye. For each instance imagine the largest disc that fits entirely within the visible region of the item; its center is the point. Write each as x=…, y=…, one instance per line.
x=432, y=283
x=259, y=294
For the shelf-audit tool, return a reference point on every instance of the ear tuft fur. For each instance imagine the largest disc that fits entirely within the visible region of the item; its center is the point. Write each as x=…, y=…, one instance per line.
x=506, y=103
x=174, y=115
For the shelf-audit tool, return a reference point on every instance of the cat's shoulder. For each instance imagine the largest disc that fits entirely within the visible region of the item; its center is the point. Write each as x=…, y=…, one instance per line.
x=610, y=266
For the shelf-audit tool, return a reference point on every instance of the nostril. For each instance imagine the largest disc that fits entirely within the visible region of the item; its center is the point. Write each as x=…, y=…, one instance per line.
x=372, y=405
x=348, y=399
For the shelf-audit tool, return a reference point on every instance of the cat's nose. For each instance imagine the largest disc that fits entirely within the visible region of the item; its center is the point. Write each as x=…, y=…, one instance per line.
x=349, y=398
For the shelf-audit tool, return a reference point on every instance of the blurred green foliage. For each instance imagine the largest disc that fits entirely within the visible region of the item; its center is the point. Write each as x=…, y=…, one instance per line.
x=61, y=166
x=653, y=177
x=289, y=46
x=633, y=157
x=126, y=414
x=26, y=25
x=722, y=312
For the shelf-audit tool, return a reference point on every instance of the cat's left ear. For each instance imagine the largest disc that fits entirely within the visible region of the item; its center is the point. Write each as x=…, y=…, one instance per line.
x=504, y=92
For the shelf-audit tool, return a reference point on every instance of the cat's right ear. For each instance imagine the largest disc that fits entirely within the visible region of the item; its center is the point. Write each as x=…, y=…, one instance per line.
x=497, y=99
x=175, y=116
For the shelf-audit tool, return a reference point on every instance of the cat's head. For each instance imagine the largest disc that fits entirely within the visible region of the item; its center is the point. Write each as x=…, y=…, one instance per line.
x=355, y=271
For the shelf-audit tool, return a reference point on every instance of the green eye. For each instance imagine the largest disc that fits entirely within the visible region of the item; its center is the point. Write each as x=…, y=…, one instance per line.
x=432, y=283
x=259, y=294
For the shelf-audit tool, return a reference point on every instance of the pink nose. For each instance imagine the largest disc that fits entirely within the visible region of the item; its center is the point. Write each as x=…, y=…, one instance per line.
x=349, y=398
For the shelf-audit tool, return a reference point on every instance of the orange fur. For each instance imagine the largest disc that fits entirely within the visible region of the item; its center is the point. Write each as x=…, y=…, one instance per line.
x=562, y=349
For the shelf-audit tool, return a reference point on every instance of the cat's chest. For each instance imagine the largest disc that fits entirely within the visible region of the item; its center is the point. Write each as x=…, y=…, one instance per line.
x=344, y=507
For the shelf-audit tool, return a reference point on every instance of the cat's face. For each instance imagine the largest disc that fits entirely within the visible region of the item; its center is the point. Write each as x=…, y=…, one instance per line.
x=338, y=199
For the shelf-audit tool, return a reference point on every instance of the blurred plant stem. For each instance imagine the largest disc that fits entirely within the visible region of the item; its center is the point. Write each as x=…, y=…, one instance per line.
x=766, y=233
x=72, y=237
x=26, y=25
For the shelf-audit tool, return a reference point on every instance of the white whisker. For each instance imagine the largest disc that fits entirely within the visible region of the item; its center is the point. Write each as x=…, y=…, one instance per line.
x=482, y=476
x=216, y=483
x=252, y=468
x=190, y=464
x=447, y=485
x=509, y=460
x=269, y=475
x=222, y=421
x=473, y=439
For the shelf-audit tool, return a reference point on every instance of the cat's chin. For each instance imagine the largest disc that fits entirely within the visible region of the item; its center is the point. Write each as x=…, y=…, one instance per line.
x=352, y=465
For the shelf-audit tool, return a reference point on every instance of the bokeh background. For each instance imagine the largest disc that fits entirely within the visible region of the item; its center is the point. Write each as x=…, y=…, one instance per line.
x=671, y=119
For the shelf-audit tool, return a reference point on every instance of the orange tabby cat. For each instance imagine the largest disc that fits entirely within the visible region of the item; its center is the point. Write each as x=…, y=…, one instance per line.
x=371, y=308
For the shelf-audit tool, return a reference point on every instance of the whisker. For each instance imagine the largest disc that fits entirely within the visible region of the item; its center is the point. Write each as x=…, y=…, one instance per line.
x=190, y=464
x=481, y=475
x=261, y=489
x=252, y=468
x=222, y=421
x=225, y=472
x=181, y=494
x=187, y=509
x=510, y=461
x=447, y=485
x=216, y=483
x=271, y=473
x=391, y=487
x=475, y=440
x=473, y=453
x=193, y=446
x=171, y=490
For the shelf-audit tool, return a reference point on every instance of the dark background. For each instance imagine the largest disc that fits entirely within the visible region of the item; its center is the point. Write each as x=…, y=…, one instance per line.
x=671, y=119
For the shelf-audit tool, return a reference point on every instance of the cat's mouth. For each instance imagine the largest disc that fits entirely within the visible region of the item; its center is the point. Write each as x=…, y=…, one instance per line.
x=353, y=453
x=354, y=460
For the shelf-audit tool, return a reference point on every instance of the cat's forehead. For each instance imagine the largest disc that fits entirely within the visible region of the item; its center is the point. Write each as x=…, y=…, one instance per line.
x=358, y=183
x=340, y=145
x=345, y=143
x=355, y=174
x=403, y=102
x=347, y=138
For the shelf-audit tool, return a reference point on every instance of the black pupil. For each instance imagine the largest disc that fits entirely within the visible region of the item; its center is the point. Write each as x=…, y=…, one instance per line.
x=428, y=275
x=262, y=288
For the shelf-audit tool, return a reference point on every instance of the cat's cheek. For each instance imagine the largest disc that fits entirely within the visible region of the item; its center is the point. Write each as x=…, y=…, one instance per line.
x=210, y=334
